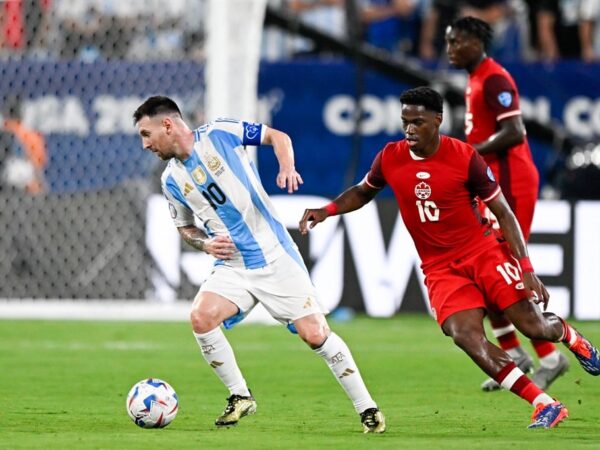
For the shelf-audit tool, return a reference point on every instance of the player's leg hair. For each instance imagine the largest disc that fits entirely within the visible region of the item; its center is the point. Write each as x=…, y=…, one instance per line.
x=466, y=329
x=208, y=312
x=313, y=329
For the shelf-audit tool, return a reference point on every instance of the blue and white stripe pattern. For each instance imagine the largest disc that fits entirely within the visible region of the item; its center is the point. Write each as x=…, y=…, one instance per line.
x=220, y=186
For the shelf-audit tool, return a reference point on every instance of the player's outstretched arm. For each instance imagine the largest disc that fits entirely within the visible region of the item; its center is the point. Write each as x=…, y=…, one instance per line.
x=221, y=247
x=354, y=198
x=284, y=152
x=513, y=234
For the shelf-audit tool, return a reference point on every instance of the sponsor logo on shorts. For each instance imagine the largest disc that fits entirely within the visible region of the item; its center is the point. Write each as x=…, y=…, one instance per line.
x=490, y=174
x=308, y=303
x=423, y=190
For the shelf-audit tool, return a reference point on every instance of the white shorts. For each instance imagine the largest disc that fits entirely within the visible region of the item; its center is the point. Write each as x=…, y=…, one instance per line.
x=283, y=287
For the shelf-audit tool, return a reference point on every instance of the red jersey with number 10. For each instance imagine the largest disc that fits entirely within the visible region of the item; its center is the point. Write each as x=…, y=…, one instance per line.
x=436, y=197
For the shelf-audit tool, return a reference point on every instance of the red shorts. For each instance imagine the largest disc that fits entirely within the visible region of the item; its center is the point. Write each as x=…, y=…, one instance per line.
x=490, y=279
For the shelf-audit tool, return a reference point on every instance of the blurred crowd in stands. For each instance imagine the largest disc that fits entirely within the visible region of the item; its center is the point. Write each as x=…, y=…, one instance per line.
x=524, y=29
x=165, y=30
x=90, y=29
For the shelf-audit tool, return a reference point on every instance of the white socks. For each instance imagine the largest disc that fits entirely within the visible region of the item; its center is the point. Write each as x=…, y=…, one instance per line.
x=514, y=353
x=219, y=355
x=551, y=360
x=543, y=398
x=339, y=359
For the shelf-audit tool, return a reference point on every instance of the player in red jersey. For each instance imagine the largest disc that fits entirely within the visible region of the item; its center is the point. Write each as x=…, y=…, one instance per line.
x=435, y=180
x=493, y=125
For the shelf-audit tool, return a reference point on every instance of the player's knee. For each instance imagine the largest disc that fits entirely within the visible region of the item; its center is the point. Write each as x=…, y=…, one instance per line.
x=314, y=337
x=204, y=318
x=314, y=334
x=467, y=339
x=313, y=329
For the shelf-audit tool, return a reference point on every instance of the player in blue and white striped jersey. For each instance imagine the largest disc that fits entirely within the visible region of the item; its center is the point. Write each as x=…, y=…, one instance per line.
x=219, y=206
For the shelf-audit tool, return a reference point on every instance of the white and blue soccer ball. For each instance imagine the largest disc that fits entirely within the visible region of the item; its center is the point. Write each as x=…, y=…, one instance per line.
x=152, y=403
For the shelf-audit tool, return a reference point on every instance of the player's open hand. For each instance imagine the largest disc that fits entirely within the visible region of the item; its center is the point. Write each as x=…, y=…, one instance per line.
x=290, y=179
x=539, y=294
x=221, y=247
x=314, y=216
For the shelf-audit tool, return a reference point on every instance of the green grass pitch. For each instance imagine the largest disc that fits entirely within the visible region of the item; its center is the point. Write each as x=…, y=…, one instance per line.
x=63, y=385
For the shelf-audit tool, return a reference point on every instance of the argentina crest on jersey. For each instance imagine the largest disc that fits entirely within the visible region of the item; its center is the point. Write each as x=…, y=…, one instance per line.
x=505, y=98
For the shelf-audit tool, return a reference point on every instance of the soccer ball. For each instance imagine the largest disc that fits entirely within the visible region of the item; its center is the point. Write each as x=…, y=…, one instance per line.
x=152, y=403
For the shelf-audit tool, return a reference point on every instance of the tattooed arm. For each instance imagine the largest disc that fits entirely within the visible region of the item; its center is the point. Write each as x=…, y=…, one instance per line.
x=221, y=247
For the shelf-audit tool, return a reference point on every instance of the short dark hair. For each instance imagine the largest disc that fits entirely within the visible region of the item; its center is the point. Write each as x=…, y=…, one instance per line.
x=154, y=106
x=423, y=96
x=475, y=27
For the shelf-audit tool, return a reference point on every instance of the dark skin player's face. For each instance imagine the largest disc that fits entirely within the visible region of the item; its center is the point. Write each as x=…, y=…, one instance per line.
x=464, y=50
x=422, y=128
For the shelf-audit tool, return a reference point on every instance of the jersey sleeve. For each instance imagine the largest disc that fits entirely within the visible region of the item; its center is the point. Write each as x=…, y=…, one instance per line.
x=180, y=212
x=481, y=181
x=249, y=133
x=374, y=177
x=501, y=97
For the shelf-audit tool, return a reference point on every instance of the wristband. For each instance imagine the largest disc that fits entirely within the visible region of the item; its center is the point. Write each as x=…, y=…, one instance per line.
x=525, y=264
x=331, y=209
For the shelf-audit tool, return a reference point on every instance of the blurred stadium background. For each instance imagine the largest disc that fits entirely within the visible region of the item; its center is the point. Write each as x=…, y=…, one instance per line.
x=82, y=218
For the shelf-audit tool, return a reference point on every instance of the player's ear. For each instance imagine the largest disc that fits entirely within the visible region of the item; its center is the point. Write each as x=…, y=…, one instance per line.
x=438, y=119
x=168, y=124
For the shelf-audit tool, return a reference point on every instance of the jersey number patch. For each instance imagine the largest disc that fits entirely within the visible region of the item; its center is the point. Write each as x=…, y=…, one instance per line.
x=509, y=272
x=428, y=211
x=468, y=123
x=214, y=195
